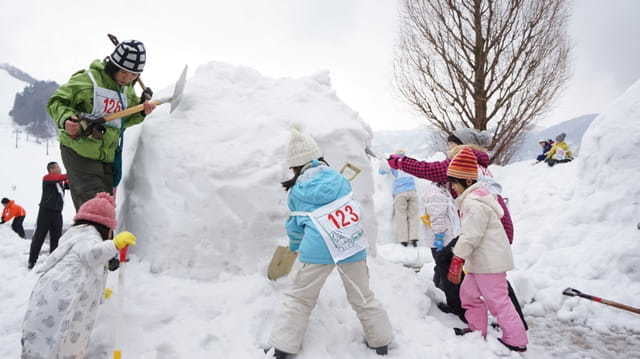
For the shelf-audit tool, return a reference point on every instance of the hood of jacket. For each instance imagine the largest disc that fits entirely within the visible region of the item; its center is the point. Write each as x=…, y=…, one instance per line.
x=479, y=192
x=319, y=185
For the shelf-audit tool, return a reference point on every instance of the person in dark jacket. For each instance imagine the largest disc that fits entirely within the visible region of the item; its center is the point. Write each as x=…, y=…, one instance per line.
x=54, y=184
x=546, y=147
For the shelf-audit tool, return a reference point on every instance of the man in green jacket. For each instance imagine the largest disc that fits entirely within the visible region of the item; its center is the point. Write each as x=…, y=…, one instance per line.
x=91, y=148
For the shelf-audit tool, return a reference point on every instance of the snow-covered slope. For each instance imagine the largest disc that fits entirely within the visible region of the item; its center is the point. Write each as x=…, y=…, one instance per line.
x=576, y=224
x=204, y=185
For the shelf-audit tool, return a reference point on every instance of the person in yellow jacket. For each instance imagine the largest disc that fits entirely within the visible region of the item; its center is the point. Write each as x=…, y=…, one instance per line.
x=559, y=152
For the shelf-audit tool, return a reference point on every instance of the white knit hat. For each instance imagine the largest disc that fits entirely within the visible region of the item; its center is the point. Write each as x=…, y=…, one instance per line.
x=302, y=149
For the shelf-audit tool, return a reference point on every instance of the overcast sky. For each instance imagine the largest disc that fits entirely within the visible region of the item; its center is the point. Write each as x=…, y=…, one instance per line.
x=353, y=39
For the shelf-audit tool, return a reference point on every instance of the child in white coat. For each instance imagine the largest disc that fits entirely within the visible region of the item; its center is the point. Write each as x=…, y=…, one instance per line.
x=442, y=217
x=64, y=302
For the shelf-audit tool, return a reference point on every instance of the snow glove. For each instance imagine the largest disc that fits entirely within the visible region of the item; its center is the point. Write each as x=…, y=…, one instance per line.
x=438, y=242
x=455, y=270
x=92, y=126
x=124, y=239
x=146, y=95
x=394, y=161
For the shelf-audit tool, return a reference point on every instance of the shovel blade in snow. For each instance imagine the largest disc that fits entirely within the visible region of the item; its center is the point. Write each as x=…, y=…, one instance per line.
x=281, y=263
x=178, y=90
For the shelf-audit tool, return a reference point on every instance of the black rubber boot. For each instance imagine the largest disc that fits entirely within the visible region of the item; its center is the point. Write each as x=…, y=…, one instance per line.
x=514, y=348
x=462, y=331
x=444, y=308
x=278, y=354
x=383, y=350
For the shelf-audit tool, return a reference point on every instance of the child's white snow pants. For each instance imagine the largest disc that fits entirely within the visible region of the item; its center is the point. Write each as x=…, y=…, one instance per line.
x=405, y=216
x=289, y=329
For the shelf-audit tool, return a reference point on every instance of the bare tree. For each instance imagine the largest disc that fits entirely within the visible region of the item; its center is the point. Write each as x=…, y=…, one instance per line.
x=492, y=65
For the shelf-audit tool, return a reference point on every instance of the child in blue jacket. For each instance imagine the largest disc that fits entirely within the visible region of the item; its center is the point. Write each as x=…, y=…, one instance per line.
x=405, y=206
x=324, y=227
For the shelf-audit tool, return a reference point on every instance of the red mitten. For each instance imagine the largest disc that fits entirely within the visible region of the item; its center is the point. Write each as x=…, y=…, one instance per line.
x=455, y=270
x=394, y=161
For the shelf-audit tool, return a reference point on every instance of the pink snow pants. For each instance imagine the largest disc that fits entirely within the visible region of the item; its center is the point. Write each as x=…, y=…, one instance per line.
x=480, y=292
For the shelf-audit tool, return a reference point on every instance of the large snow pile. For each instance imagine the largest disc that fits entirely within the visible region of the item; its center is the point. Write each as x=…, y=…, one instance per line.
x=204, y=185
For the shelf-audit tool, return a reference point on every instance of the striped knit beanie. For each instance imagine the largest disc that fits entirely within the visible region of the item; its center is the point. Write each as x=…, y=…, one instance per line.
x=464, y=165
x=129, y=56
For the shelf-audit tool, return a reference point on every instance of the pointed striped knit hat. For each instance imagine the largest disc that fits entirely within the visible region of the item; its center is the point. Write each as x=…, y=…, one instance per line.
x=464, y=165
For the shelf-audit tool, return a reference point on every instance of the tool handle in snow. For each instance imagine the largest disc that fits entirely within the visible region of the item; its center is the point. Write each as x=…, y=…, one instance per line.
x=620, y=305
x=576, y=293
x=123, y=254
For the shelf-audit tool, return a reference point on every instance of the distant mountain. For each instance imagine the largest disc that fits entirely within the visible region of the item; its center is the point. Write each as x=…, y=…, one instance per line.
x=574, y=128
x=28, y=110
x=18, y=74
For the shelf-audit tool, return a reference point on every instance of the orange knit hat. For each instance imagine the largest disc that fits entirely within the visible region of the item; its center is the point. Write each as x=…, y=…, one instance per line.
x=464, y=165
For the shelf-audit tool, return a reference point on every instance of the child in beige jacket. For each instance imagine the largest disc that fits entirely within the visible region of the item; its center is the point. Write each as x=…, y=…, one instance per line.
x=485, y=252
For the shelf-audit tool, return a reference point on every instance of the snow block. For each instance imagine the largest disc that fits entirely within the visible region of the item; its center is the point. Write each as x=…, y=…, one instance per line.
x=203, y=190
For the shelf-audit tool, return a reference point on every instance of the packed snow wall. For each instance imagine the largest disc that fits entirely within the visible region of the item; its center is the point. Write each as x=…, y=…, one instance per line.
x=203, y=190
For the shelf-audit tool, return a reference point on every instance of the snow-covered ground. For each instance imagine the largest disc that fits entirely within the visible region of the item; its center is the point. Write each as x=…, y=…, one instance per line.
x=196, y=284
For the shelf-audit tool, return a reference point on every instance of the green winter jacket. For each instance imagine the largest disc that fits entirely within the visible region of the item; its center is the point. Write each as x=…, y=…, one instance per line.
x=75, y=97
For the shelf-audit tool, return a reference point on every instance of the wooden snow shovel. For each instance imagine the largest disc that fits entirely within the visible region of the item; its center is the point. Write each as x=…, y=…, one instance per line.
x=283, y=259
x=576, y=293
x=281, y=263
x=174, y=100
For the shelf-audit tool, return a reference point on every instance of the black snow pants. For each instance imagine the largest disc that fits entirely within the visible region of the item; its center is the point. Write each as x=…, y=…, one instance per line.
x=49, y=221
x=17, y=227
x=451, y=291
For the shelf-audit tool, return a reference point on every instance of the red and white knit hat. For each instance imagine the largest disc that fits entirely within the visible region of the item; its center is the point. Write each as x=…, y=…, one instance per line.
x=464, y=165
x=100, y=209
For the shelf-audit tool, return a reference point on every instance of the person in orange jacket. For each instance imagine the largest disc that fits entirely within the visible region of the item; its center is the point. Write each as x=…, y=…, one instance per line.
x=12, y=210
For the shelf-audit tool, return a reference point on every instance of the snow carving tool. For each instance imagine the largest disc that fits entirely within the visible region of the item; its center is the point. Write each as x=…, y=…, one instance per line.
x=117, y=352
x=576, y=293
x=115, y=42
x=174, y=100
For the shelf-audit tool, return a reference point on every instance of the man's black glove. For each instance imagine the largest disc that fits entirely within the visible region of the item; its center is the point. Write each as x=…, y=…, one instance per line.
x=92, y=126
x=114, y=264
x=147, y=94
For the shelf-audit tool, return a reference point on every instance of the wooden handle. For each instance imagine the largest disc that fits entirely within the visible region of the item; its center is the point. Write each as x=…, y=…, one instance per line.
x=621, y=306
x=129, y=111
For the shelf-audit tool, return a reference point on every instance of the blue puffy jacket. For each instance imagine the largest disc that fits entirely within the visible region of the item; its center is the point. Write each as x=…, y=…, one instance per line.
x=316, y=187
